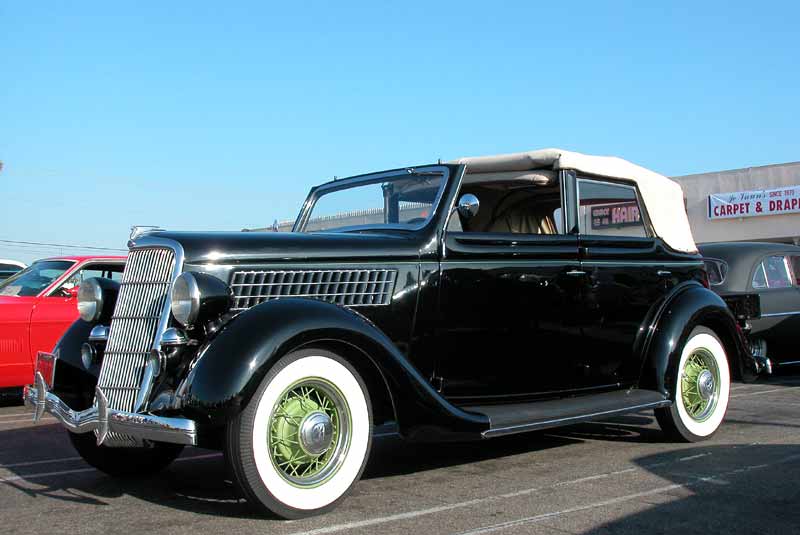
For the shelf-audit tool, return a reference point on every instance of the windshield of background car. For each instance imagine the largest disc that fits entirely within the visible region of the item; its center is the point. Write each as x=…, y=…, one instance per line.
x=401, y=202
x=35, y=278
x=6, y=270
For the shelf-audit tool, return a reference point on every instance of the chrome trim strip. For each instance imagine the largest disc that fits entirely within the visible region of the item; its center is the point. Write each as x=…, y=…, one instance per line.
x=510, y=430
x=778, y=314
x=105, y=420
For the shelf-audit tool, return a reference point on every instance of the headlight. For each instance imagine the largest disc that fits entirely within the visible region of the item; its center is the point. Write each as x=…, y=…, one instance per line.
x=90, y=300
x=185, y=299
x=199, y=297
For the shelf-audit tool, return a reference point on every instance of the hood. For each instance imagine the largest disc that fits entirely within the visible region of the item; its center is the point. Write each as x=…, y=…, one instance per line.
x=274, y=247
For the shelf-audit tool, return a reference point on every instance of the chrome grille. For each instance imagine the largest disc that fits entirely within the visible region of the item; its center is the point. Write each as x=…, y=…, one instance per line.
x=142, y=301
x=349, y=287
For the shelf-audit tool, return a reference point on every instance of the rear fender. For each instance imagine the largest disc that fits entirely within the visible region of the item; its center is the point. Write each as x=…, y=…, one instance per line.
x=229, y=368
x=688, y=306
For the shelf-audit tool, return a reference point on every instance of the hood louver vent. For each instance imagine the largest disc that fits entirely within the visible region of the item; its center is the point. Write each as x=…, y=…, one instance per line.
x=351, y=287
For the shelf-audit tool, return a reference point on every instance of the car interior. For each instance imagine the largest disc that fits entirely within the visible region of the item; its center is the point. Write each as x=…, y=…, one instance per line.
x=512, y=203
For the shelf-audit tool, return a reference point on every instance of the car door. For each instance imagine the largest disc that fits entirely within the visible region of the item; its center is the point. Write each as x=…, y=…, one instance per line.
x=508, y=298
x=16, y=368
x=627, y=270
x=776, y=281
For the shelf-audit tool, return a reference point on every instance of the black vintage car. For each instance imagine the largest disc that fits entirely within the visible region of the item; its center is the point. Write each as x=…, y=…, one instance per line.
x=459, y=301
x=771, y=270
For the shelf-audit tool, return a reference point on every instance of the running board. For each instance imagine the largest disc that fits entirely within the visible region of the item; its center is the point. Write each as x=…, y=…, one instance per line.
x=521, y=417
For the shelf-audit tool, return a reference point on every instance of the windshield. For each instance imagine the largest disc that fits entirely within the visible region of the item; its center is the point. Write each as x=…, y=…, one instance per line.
x=32, y=280
x=403, y=202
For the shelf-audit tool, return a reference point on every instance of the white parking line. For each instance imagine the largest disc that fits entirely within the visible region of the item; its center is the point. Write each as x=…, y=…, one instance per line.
x=761, y=392
x=495, y=527
x=487, y=499
x=27, y=477
x=43, y=461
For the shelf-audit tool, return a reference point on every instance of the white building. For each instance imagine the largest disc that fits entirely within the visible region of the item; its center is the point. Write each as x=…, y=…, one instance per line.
x=751, y=204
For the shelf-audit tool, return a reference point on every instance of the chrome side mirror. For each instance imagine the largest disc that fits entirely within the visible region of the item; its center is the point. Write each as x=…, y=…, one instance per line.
x=468, y=206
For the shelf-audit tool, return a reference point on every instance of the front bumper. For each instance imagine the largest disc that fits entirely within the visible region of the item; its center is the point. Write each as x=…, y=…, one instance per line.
x=102, y=420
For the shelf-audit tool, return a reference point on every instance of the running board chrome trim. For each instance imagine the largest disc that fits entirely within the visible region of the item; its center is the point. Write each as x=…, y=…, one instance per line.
x=511, y=418
x=522, y=428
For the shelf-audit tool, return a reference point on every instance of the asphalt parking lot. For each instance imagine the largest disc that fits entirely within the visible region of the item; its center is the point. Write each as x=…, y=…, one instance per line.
x=616, y=476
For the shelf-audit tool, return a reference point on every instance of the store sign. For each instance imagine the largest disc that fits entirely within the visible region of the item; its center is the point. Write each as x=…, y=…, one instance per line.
x=621, y=214
x=785, y=200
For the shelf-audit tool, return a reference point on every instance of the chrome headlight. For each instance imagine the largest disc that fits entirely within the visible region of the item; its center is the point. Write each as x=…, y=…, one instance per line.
x=198, y=297
x=90, y=300
x=185, y=299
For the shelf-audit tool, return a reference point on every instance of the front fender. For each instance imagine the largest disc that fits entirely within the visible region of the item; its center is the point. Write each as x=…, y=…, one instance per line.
x=230, y=367
x=690, y=305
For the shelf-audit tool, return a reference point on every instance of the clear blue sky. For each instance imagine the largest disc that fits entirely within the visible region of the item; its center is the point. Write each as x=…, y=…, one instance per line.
x=203, y=115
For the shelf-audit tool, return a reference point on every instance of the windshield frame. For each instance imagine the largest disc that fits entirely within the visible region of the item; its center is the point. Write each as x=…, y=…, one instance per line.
x=317, y=192
x=70, y=268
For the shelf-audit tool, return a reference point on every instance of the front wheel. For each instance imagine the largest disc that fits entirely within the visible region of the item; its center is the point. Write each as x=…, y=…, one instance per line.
x=304, y=438
x=701, y=389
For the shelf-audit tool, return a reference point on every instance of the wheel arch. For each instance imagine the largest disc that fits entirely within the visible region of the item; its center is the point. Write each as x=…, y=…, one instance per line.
x=690, y=306
x=229, y=368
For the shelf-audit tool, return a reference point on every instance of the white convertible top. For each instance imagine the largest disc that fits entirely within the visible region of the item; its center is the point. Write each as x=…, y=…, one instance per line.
x=662, y=196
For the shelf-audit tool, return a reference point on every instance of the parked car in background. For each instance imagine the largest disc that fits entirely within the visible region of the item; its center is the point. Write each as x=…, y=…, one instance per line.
x=469, y=300
x=772, y=270
x=38, y=304
x=9, y=267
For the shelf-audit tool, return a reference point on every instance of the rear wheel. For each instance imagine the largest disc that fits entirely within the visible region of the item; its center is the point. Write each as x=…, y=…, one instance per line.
x=125, y=462
x=303, y=440
x=701, y=390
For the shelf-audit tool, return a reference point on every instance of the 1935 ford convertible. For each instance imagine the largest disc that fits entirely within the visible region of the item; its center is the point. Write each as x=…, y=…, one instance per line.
x=468, y=300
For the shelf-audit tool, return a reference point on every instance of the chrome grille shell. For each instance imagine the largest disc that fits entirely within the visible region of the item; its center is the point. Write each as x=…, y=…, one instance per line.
x=140, y=318
x=347, y=287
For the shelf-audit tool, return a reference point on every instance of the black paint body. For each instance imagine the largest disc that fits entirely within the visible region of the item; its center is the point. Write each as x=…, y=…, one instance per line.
x=475, y=319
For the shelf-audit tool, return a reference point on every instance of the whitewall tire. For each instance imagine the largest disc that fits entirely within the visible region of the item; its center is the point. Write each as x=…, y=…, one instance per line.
x=304, y=438
x=701, y=389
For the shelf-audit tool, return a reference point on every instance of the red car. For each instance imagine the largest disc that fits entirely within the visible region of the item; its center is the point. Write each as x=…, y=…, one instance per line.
x=38, y=304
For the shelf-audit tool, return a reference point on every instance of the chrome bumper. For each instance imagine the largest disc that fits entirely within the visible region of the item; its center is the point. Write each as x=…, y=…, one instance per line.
x=101, y=419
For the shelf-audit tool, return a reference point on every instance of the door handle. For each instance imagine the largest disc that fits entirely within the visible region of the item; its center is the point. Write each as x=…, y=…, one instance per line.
x=664, y=273
x=576, y=273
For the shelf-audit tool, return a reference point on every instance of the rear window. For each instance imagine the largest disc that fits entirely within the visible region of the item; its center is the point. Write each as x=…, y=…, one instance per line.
x=717, y=271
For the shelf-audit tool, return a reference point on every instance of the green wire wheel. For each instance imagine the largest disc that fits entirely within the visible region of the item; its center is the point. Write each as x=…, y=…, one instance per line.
x=700, y=384
x=309, y=432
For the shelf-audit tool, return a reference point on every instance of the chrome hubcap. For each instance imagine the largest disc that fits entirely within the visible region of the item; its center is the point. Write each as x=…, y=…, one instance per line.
x=316, y=433
x=705, y=384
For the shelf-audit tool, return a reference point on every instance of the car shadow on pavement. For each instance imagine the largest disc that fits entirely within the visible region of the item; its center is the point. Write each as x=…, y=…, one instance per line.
x=745, y=488
x=199, y=482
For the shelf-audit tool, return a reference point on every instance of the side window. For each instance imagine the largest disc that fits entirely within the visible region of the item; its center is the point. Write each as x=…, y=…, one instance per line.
x=103, y=271
x=514, y=206
x=717, y=270
x=777, y=270
x=795, y=265
x=759, y=277
x=773, y=272
x=609, y=210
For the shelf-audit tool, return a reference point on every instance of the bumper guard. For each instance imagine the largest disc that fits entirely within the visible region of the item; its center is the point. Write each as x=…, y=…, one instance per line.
x=101, y=419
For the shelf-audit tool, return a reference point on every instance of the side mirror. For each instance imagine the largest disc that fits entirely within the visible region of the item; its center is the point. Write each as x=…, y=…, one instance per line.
x=468, y=206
